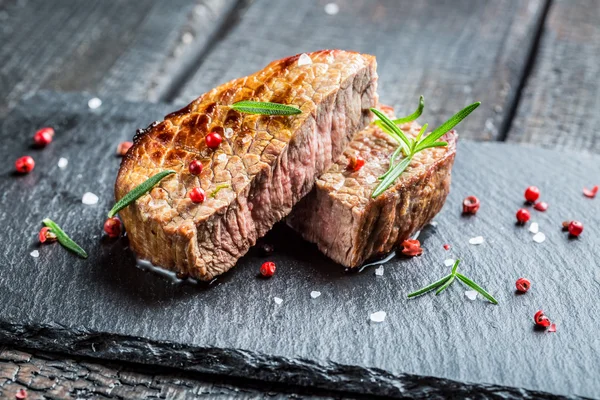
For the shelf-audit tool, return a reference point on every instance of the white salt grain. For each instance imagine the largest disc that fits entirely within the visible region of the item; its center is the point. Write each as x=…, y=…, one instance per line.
x=222, y=157
x=187, y=38
x=228, y=132
x=378, y=316
x=35, y=254
x=471, y=294
x=314, y=294
x=449, y=262
x=277, y=300
x=304, y=60
x=332, y=8
x=370, y=179
x=62, y=163
x=539, y=237
x=89, y=199
x=94, y=103
x=379, y=271
x=534, y=227
x=433, y=223
x=476, y=240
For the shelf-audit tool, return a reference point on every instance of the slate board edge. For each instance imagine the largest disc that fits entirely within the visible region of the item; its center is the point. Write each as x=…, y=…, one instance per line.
x=244, y=364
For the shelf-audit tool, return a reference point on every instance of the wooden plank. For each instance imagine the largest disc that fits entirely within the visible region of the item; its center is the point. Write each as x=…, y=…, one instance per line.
x=452, y=52
x=560, y=103
x=428, y=347
x=135, y=49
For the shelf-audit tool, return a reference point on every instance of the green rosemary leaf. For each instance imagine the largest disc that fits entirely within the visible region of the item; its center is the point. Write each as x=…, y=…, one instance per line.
x=64, y=239
x=392, y=162
x=434, y=144
x=429, y=288
x=423, y=130
x=448, y=125
x=408, y=118
x=455, y=267
x=218, y=189
x=138, y=192
x=391, y=177
x=476, y=287
x=392, y=129
x=265, y=108
x=445, y=285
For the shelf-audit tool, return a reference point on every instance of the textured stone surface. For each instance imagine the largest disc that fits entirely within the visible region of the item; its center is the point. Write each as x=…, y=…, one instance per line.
x=105, y=307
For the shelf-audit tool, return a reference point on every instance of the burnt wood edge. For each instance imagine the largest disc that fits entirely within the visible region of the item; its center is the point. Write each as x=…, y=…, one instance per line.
x=243, y=364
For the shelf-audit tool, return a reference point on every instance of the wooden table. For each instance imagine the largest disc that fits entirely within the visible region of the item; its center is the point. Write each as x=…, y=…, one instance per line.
x=533, y=64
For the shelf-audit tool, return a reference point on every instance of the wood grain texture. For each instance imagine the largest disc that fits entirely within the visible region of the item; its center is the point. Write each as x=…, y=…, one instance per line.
x=432, y=346
x=560, y=103
x=135, y=49
x=452, y=52
x=51, y=376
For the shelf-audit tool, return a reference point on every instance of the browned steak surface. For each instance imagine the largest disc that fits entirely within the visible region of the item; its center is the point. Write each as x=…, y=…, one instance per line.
x=348, y=225
x=268, y=163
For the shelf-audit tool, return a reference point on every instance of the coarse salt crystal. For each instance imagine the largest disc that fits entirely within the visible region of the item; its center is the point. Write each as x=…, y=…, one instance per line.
x=187, y=38
x=35, y=254
x=539, y=237
x=62, y=163
x=378, y=316
x=534, y=227
x=277, y=300
x=471, y=294
x=222, y=157
x=379, y=271
x=449, y=262
x=304, y=60
x=477, y=240
x=433, y=223
x=332, y=8
x=228, y=132
x=370, y=179
x=89, y=198
x=314, y=294
x=94, y=103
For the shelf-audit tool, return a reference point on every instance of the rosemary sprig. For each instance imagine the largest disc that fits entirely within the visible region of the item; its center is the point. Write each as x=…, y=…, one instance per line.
x=138, y=192
x=410, y=147
x=447, y=280
x=64, y=239
x=218, y=189
x=265, y=108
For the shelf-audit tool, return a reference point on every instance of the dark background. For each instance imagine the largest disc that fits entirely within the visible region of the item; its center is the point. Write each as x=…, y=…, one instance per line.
x=533, y=64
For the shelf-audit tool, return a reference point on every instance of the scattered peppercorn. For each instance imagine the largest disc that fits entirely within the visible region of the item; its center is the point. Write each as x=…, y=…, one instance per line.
x=24, y=164
x=575, y=228
x=46, y=235
x=541, y=206
x=470, y=205
x=532, y=193
x=21, y=394
x=540, y=319
x=591, y=193
x=213, y=140
x=523, y=285
x=43, y=137
x=123, y=147
x=112, y=227
x=197, y=195
x=523, y=215
x=267, y=269
x=195, y=167
x=412, y=247
x=267, y=249
x=355, y=163
x=446, y=247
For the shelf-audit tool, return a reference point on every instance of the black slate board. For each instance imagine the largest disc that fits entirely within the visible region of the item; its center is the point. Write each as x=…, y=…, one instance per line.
x=105, y=307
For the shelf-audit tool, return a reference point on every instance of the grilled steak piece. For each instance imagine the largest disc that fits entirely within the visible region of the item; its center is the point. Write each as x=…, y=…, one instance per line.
x=263, y=167
x=348, y=225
